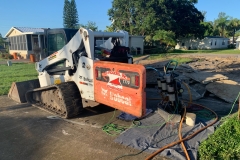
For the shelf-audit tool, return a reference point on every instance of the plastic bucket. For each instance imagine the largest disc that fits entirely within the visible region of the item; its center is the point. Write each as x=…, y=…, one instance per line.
x=14, y=55
x=190, y=119
x=32, y=57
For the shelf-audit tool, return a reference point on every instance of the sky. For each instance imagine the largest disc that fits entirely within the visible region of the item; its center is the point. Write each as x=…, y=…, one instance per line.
x=49, y=13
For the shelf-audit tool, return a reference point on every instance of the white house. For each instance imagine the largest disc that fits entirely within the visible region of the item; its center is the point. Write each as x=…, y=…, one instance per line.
x=209, y=42
x=238, y=43
x=23, y=40
x=136, y=43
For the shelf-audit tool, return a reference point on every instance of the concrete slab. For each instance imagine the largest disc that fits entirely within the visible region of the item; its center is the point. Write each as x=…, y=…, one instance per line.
x=199, y=88
x=221, y=107
x=185, y=68
x=225, y=89
x=194, y=93
x=30, y=133
x=205, y=77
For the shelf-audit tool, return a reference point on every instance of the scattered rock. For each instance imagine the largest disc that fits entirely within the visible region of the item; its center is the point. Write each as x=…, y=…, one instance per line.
x=65, y=133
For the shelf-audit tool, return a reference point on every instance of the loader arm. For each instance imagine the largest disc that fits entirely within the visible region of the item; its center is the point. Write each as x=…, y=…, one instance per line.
x=77, y=75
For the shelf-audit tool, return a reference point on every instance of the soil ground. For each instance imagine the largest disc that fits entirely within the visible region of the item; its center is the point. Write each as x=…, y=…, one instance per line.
x=30, y=133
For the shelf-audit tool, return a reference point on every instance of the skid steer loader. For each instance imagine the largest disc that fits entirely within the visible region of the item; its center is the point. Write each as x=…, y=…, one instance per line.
x=92, y=68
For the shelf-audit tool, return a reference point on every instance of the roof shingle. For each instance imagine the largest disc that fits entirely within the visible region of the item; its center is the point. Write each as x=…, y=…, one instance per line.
x=28, y=29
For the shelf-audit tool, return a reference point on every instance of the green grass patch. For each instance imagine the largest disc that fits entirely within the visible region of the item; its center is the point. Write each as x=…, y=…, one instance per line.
x=168, y=56
x=16, y=73
x=224, y=143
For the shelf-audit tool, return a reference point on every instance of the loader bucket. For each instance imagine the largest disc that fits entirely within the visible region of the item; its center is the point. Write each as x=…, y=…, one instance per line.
x=18, y=89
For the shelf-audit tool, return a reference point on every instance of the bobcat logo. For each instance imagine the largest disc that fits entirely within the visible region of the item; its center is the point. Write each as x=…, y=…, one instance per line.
x=104, y=93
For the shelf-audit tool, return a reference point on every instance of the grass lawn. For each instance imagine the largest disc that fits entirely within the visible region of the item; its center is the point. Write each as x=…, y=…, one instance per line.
x=168, y=56
x=16, y=73
x=173, y=55
x=224, y=143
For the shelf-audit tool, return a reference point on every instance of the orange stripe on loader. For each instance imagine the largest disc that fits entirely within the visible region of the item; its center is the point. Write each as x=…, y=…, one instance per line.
x=121, y=86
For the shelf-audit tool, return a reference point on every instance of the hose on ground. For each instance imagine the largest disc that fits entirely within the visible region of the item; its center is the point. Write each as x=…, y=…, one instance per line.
x=189, y=92
x=180, y=134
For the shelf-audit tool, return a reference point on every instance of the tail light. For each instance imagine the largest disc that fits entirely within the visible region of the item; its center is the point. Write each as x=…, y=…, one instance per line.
x=137, y=81
x=98, y=73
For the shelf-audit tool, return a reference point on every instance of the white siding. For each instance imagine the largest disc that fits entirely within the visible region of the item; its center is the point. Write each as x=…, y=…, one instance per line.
x=136, y=42
x=206, y=43
x=238, y=43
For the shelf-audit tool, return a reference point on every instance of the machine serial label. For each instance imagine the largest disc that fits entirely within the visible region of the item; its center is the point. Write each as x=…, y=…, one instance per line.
x=52, y=56
x=57, y=81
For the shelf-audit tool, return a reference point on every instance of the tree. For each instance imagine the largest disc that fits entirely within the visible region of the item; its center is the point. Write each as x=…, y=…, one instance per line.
x=109, y=29
x=233, y=26
x=1, y=40
x=143, y=17
x=204, y=13
x=70, y=14
x=208, y=28
x=221, y=23
x=237, y=34
x=90, y=25
x=166, y=37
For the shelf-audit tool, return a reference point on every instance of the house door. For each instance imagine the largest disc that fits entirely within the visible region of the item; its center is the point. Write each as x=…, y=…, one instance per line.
x=35, y=42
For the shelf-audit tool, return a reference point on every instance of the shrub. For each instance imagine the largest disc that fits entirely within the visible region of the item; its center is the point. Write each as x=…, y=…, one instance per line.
x=6, y=56
x=231, y=46
x=224, y=143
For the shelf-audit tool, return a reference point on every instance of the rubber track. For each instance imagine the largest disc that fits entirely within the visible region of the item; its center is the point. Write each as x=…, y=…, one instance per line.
x=71, y=99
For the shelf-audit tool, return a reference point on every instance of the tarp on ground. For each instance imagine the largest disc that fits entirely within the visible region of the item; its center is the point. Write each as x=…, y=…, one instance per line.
x=154, y=134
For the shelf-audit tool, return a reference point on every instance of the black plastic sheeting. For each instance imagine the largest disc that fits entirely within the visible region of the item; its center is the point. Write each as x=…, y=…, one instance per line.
x=154, y=133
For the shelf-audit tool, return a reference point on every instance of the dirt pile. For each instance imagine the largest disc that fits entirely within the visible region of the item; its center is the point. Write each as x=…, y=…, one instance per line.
x=214, y=75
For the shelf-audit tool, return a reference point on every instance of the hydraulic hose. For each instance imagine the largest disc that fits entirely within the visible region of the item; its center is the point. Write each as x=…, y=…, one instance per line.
x=189, y=92
x=180, y=134
x=186, y=138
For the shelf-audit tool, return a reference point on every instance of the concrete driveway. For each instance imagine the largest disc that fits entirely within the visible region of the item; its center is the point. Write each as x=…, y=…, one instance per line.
x=29, y=133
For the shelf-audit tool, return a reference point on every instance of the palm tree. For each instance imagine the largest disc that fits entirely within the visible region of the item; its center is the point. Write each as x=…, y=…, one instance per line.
x=221, y=23
x=233, y=26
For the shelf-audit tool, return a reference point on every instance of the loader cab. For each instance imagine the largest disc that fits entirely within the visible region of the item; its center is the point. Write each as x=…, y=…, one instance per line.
x=56, y=39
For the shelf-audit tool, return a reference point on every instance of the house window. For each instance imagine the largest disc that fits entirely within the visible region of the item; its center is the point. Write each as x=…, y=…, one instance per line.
x=183, y=44
x=223, y=43
x=29, y=42
x=211, y=43
x=55, y=42
x=215, y=43
x=18, y=42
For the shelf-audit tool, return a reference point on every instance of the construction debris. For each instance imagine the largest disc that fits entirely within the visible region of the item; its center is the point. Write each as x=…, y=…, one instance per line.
x=205, y=77
x=217, y=76
x=226, y=89
x=194, y=94
x=170, y=118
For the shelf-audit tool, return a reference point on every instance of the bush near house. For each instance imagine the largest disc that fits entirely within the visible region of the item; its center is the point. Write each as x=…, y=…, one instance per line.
x=6, y=56
x=231, y=46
